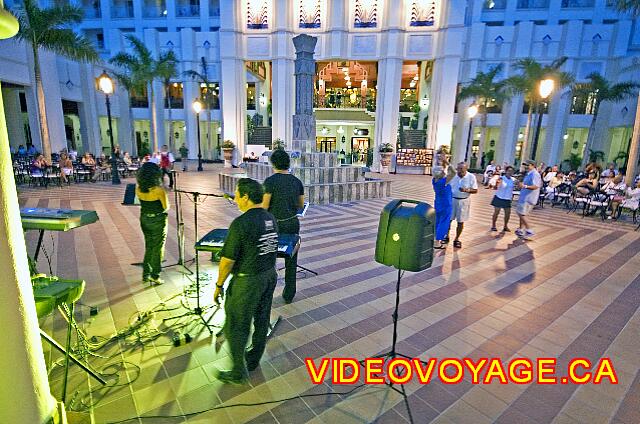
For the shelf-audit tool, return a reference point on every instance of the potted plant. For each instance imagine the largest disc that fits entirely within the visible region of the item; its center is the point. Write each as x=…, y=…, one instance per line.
x=184, y=156
x=227, y=148
x=277, y=144
x=386, y=151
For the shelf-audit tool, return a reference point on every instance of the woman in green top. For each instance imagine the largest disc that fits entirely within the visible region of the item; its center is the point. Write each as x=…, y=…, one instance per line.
x=154, y=204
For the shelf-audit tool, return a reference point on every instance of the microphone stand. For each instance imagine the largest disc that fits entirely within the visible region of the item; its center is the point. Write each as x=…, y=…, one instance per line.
x=198, y=310
x=179, y=226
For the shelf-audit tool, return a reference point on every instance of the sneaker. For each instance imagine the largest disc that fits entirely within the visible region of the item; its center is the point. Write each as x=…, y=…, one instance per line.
x=494, y=229
x=252, y=363
x=156, y=281
x=231, y=377
x=529, y=233
x=519, y=232
x=506, y=230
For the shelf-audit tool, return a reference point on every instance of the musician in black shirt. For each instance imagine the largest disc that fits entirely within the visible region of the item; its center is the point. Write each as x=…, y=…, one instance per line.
x=284, y=196
x=249, y=253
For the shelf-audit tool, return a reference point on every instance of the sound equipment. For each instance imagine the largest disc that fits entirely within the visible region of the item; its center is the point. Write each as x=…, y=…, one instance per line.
x=130, y=197
x=288, y=244
x=405, y=235
x=54, y=220
x=49, y=293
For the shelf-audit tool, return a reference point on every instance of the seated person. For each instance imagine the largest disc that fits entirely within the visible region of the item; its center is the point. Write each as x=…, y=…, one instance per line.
x=488, y=172
x=588, y=184
x=555, y=181
x=32, y=150
x=632, y=197
x=127, y=159
x=104, y=163
x=495, y=178
x=66, y=167
x=616, y=188
x=89, y=164
x=610, y=171
x=38, y=166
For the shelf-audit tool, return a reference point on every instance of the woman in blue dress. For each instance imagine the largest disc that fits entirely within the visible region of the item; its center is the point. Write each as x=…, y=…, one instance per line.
x=442, y=175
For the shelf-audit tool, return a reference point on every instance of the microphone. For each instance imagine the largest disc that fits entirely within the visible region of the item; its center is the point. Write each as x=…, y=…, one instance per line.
x=229, y=196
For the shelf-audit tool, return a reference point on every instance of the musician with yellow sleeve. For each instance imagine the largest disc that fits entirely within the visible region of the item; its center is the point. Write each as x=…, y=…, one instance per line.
x=154, y=204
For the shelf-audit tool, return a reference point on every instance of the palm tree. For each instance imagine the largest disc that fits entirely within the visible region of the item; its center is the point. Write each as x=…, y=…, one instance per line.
x=527, y=83
x=485, y=91
x=142, y=68
x=166, y=70
x=633, y=7
x=131, y=86
x=207, y=96
x=51, y=29
x=602, y=90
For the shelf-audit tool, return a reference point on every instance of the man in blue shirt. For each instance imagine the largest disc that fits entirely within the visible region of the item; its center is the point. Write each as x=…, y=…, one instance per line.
x=529, y=193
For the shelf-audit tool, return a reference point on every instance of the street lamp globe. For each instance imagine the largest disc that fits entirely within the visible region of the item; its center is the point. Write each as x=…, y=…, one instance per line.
x=105, y=83
x=197, y=106
x=546, y=87
x=472, y=111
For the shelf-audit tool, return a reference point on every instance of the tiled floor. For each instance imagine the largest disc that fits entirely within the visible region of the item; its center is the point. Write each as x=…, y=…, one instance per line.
x=573, y=291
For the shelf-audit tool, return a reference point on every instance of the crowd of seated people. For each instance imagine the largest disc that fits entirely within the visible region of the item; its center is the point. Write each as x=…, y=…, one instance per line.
x=603, y=187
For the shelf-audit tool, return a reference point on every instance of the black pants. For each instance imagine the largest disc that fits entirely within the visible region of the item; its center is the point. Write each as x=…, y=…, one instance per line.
x=155, y=234
x=290, y=226
x=248, y=299
x=167, y=171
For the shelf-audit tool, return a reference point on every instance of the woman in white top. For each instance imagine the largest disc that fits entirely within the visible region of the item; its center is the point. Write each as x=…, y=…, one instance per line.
x=633, y=197
x=502, y=199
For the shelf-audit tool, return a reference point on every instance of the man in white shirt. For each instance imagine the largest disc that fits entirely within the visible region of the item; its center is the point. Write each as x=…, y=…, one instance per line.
x=610, y=171
x=529, y=193
x=462, y=186
x=502, y=199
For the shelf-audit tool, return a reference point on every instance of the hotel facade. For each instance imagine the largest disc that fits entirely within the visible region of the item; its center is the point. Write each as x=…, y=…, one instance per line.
x=383, y=67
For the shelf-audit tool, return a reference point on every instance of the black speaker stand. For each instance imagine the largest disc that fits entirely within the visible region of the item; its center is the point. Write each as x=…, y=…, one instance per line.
x=393, y=353
x=179, y=228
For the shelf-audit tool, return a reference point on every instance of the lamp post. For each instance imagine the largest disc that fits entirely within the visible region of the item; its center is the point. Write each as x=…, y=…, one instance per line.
x=472, y=111
x=197, y=108
x=105, y=84
x=544, y=89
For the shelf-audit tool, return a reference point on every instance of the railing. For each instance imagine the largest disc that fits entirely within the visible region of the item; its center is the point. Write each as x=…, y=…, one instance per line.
x=120, y=12
x=153, y=11
x=344, y=101
x=188, y=10
x=577, y=3
x=533, y=4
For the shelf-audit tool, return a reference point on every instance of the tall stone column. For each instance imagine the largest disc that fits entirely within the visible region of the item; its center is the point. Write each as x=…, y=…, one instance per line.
x=461, y=135
x=234, y=98
x=88, y=111
x=55, y=115
x=13, y=115
x=556, y=127
x=24, y=389
x=304, y=122
x=387, y=109
x=444, y=87
x=509, y=130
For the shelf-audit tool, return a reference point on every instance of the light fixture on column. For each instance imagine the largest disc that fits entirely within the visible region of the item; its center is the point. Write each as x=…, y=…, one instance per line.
x=566, y=136
x=520, y=136
x=347, y=77
x=545, y=88
x=424, y=102
x=340, y=130
x=263, y=100
x=345, y=70
x=8, y=24
x=324, y=130
x=105, y=84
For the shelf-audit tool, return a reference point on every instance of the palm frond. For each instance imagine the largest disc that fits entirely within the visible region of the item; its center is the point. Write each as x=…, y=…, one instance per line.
x=67, y=43
x=631, y=6
x=61, y=16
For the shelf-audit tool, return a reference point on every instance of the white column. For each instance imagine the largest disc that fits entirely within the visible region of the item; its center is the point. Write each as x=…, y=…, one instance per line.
x=55, y=116
x=509, y=130
x=126, y=137
x=24, y=388
x=88, y=111
x=159, y=91
x=283, y=102
x=462, y=133
x=13, y=114
x=444, y=84
x=191, y=90
x=234, y=98
x=559, y=107
x=387, y=111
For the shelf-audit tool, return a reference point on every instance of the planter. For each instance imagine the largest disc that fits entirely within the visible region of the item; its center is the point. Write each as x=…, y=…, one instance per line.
x=228, y=156
x=385, y=161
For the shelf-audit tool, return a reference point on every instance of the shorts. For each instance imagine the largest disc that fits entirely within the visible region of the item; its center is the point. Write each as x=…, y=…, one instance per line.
x=460, y=210
x=501, y=203
x=524, y=208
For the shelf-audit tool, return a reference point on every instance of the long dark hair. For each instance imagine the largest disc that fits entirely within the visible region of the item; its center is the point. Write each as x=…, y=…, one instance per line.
x=149, y=175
